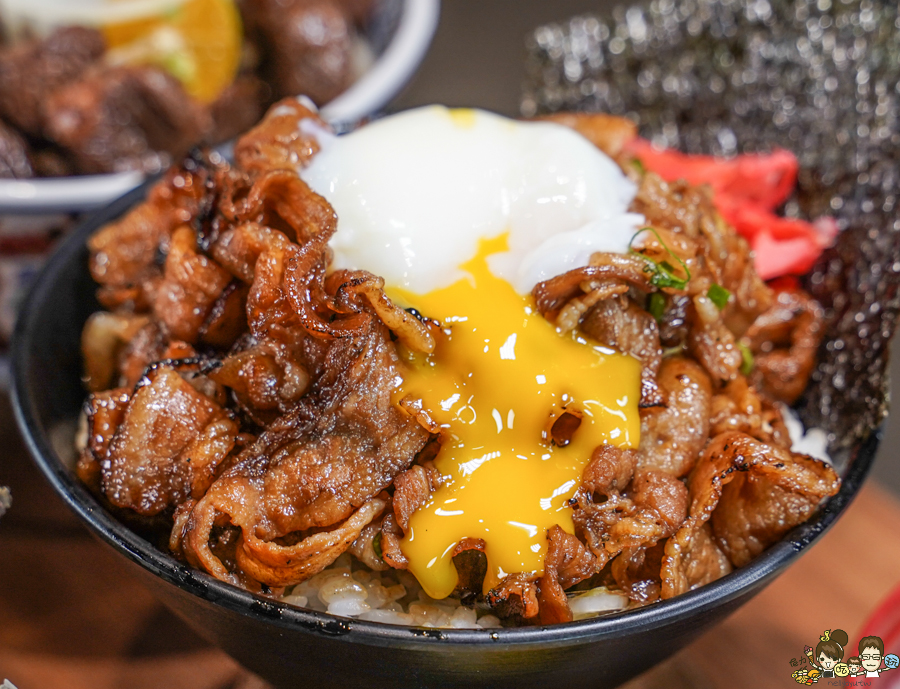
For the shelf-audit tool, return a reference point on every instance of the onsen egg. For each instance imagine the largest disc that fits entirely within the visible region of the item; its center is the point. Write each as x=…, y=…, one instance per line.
x=463, y=212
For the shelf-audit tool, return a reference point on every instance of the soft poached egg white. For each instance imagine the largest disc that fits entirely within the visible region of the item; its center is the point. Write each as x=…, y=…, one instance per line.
x=415, y=193
x=463, y=212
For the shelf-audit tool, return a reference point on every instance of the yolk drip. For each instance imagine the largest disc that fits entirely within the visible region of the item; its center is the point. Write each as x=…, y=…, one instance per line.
x=493, y=384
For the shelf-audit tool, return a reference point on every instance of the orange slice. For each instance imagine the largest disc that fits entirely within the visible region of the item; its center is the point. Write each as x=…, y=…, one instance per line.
x=198, y=41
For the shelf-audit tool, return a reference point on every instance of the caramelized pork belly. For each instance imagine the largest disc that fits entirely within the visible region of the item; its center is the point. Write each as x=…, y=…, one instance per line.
x=247, y=395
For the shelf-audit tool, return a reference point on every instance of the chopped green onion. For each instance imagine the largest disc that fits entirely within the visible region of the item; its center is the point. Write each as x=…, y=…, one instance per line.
x=662, y=274
x=672, y=351
x=656, y=305
x=376, y=545
x=638, y=165
x=746, y=359
x=718, y=295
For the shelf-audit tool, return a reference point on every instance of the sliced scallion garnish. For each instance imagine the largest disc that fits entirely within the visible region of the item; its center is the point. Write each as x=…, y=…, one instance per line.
x=662, y=273
x=718, y=295
x=746, y=359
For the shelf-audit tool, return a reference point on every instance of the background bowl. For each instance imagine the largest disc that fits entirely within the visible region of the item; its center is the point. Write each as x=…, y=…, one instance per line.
x=287, y=645
x=399, y=33
x=35, y=212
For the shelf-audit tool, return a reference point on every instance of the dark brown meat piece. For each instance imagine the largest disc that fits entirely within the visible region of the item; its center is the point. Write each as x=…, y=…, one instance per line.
x=636, y=572
x=148, y=346
x=190, y=286
x=470, y=562
x=363, y=548
x=600, y=499
x=775, y=491
x=127, y=255
x=565, y=299
x=610, y=518
x=702, y=561
x=738, y=407
x=610, y=470
x=14, y=160
x=621, y=324
x=758, y=507
x=267, y=378
x=31, y=71
x=102, y=339
x=168, y=447
x=105, y=411
x=281, y=141
x=306, y=46
x=227, y=318
x=692, y=229
x=515, y=597
x=673, y=436
x=712, y=343
x=391, y=535
x=567, y=562
x=125, y=118
x=412, y=489
x=342, y=444
x=784, y=341
x=279, y=565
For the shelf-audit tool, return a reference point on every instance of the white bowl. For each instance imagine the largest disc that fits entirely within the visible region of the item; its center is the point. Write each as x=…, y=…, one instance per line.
x=400, y=33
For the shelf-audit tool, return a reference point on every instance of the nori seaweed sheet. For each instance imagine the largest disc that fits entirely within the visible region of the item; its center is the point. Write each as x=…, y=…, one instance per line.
x=820, y=78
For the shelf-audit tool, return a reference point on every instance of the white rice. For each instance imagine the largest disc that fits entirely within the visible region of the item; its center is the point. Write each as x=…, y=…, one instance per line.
x=809, y=441
x=350, y=589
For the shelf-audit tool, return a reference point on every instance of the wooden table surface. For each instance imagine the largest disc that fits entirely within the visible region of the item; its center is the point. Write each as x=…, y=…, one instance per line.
x=71, y=618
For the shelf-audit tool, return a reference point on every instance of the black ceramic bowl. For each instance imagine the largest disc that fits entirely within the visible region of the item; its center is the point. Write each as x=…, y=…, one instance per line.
x=293, y=647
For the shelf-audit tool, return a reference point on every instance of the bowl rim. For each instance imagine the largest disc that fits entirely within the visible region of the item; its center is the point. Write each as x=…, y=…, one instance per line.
x=392, y=69
x=738, y=583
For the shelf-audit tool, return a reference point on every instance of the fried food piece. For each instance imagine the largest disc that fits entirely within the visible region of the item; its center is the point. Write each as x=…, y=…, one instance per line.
x=567, y=562
x=738, y=407
x=190, y=286
x=127, y=255
x=286, y=138
x=334, y=452
x=105, y=412
x=124, y=118
x=672, y=436
x=619, y=323
x=565, y=299
x=615, y=511
x=103, y=337
x=471, y=565
x=168, y=446
x=31, y=71
x=515, y=597
x=784, y=341
x=306, y=46
x=755, y=493
x=636, y=571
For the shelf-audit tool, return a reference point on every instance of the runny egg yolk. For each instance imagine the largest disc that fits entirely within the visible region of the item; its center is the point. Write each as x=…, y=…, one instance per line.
x=493, y=384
